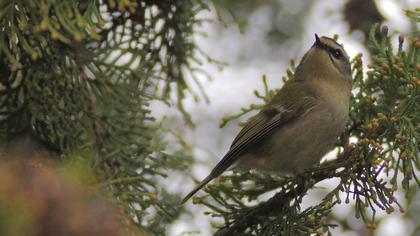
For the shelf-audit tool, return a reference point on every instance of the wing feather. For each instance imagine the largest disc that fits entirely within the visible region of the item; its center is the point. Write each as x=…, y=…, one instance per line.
x=254, y=134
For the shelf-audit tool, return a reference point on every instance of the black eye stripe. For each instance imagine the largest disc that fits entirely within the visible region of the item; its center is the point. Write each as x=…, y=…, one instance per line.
x=335, y=52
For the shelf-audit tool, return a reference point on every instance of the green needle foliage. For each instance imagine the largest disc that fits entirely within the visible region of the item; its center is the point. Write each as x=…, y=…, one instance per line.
x=77, y=77
x=384, y=119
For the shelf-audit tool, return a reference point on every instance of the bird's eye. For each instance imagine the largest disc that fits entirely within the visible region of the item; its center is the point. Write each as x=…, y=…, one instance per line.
x=337, y=54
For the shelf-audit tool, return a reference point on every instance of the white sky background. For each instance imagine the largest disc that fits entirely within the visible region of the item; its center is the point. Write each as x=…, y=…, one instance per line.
x=249, y=56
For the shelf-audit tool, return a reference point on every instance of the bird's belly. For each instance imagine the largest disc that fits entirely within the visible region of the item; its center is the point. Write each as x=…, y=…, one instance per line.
x=298, y=145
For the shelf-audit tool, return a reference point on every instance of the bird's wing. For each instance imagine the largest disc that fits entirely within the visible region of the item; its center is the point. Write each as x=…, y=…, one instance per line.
x=287, y=105
x=284, y=107
x=255, y=124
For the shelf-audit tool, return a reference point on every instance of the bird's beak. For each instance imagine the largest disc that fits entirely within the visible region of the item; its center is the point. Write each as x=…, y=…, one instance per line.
x=317, y=40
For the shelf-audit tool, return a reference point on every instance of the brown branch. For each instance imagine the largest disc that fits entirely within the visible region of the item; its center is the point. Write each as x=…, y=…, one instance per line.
x=281, y=200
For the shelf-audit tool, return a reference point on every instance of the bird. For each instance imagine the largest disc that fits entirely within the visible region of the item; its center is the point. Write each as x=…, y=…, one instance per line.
x=301, y=123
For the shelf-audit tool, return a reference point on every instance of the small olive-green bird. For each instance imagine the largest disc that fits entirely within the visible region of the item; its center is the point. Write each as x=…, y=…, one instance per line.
x=302, y=121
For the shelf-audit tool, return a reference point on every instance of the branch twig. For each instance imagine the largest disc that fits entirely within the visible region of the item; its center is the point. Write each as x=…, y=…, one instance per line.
x=282, y=200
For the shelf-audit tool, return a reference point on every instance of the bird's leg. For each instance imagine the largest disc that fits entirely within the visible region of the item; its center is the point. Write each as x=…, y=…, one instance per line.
x=341, y=161
x=344, y=158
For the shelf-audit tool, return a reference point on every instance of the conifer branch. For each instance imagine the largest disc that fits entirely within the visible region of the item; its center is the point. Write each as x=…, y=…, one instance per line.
x=384, y=120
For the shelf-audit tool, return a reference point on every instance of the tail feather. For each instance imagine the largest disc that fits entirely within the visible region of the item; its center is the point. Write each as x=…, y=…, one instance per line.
x=196, y=189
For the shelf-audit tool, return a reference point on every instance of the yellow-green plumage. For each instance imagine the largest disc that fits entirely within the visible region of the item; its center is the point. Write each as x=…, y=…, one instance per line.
x=302, y=121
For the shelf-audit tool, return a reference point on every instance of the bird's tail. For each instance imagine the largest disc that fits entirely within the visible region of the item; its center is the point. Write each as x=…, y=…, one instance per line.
x=199, y=186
